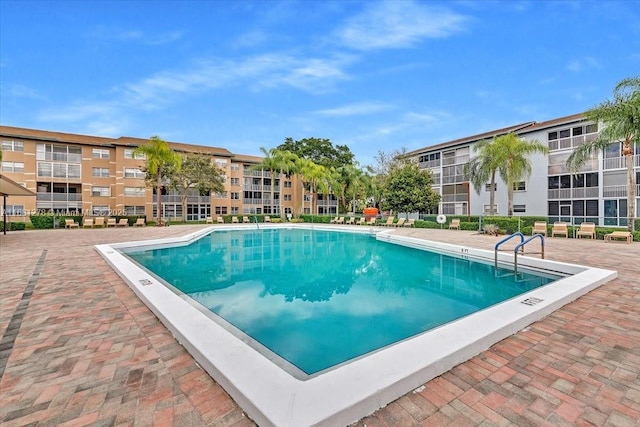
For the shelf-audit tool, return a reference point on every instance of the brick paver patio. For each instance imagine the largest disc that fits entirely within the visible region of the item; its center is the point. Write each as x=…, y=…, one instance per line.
x=79, y=349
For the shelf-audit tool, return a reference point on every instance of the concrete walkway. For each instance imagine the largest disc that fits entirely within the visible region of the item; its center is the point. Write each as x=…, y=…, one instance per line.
x=79, y=349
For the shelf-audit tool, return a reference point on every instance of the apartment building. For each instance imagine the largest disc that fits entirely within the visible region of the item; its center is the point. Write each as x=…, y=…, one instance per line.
x=99, y=176
x=597, y=193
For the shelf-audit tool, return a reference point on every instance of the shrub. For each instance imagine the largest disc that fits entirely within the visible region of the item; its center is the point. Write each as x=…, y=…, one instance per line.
x=12, y=226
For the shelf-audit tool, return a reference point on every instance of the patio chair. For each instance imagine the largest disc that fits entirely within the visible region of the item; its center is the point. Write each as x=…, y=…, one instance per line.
x=334, y=220
x=454, y=224
x=234, y=220
x=619, y=235
x=389, y=222
x=372, y=221
x=124, y=222
x=111, y=222
x=559, y=228
x=139, y=223
x=267, y=218
x=539, y=227
x=98, y=222
x=361, y=221
x=87, y=223
x=410, y=223
x=400, y=222
x=209, y=220
x=351, y=221
x=220, y=220
x=245, y=219
x=340, y=220
x=70, y=223
x=587, y=229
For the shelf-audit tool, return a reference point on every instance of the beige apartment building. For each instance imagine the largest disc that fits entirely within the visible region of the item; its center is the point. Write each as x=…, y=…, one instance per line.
x=100, y=176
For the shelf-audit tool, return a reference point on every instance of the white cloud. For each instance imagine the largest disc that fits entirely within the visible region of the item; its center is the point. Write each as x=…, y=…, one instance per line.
x=125, y=35
x=583, y=64
x=398, y=24
x=358, y=109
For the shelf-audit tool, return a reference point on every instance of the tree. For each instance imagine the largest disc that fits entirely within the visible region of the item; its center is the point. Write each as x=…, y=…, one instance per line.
x=319, y=150
x=199, y=173
x=351, y=183
x=160, y=162
x=311, y=173
x=621, y=119
x=515, y=165
x=282, y=161
x=408, y=189
x=483, y=167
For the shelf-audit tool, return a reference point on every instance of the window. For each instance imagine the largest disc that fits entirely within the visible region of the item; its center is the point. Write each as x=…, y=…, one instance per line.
x=100, y=172
x=564, y=133
x=235, y=166
x=221, y=195
x=60, y=153
x=235, y=210
x=97, y=191
x=12, y=167
x=134, y=210
x=12, y=145
x=221, y=163
x=221, y=210
x=552, y=136
x=287, y=184
x=100, y=210
x=487, y=187
x=134, y=191
x=133, y=173
x=519, y=186
x=287, y=197
x=100, y=153
x=235, y=181
x=593, y=128
x=235, y=195
x=129, y=153
x=486, y=210
x=14, y=210
x=519, y=208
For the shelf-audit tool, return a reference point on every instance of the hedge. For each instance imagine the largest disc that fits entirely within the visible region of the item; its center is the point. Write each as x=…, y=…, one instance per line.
x=12, y=226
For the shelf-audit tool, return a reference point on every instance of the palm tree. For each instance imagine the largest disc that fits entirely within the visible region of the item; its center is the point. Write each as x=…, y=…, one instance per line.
x=281, y=161
x=160, y=162
x=483, y=168
x=621, y=117
x=352, y=180
x=515, y=165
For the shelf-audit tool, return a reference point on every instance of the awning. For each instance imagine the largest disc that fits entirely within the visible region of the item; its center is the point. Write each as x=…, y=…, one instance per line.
x=9, y=187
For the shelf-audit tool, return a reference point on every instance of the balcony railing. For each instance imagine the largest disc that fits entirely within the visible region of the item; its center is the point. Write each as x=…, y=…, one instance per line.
x=252, y=187
x=618, y=191
x=253, y=201
x=619, y=162
x=452, y=179
x=327, y=203
x=457, y=160
x=566, y=143
x=58, y=197
x=430, y=164
x=573, y=193
x=455, y=197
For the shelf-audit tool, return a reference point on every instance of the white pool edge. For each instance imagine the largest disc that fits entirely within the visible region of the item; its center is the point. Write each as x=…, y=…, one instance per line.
x=272, y=397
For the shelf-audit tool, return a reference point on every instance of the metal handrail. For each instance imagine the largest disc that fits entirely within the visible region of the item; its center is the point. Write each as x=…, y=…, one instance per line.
x=506, y=239
x=521, y=246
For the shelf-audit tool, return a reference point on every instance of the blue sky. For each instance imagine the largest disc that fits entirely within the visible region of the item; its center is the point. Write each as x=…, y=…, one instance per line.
x=372, y=75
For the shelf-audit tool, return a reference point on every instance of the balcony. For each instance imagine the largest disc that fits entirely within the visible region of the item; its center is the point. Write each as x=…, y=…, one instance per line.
x=430, y=164
x=58, y=197
x=253, y=201
x=457, y=160
x=252, y=187
x=455, y=197
x=567, y=143
x=618, y=191
x=620, y=163
x=327, y=203
x=453, y=179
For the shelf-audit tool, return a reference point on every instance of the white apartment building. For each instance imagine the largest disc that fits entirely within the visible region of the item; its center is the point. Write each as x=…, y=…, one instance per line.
x=598, y=193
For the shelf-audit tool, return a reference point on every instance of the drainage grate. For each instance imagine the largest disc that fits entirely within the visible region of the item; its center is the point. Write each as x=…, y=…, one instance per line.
x=145, y=282
x=532, y=301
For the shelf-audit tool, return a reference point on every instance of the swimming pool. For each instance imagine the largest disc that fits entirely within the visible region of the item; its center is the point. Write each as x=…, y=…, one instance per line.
x=346, y=393
x=318, y=298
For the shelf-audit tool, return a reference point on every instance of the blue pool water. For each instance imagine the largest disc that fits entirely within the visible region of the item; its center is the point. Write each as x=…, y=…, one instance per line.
x=320, y=298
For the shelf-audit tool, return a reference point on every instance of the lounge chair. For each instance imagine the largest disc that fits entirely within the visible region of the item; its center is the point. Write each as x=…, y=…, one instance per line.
x=587, y=229
x=559, y=228
x=334, y=220
x=245, y=219
x=389, y=222
x=410, y=223
x=454, y=224
x=124, y=222
x=111, y=222
x=619, y=235
x=267, y=218
x=70, y=223
x=139, y=223
x=539, y=227
x=372, y=221
x=98, y=222
x=87, y=223
x=220, y=220
x=361, y=221
x=209, y=220
x=351, y=221
x=340, y=220
x=400, y=222
x=234, y=220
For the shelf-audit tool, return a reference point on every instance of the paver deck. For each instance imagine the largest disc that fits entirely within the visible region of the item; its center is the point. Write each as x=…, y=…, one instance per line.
x=80, y=349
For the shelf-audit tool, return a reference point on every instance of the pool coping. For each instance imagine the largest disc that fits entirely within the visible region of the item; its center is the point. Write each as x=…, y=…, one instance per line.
x=270, y=396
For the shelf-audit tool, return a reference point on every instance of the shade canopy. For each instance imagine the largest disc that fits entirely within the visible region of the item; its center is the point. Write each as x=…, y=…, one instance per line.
x=9, y=187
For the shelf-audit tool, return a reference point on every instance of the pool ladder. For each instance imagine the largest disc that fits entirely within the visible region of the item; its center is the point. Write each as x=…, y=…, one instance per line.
x=519, y=247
